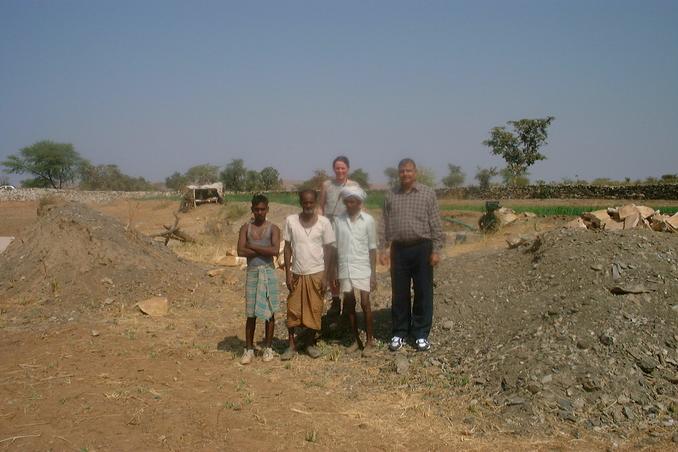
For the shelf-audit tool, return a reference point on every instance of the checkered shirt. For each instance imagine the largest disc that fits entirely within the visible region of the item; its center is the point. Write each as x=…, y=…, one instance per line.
x=412, y=215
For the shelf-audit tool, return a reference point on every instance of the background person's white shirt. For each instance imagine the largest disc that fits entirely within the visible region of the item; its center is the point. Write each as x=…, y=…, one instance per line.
x=354, y=242
x=308, y=256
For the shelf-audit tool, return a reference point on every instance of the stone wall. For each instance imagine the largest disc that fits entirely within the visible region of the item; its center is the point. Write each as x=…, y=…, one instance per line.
x=659, y=191
x=34, y=194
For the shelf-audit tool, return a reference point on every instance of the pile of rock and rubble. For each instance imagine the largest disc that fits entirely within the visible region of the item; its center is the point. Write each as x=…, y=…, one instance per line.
x=628, y=216
x=75, y=259
x=575, y=327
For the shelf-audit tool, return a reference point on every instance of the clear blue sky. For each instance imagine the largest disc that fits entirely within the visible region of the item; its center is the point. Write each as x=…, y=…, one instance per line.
x=159, y=86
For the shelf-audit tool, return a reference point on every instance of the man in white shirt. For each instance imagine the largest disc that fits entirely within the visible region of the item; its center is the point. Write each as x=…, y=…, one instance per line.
x=308, y=251
x=356, y=243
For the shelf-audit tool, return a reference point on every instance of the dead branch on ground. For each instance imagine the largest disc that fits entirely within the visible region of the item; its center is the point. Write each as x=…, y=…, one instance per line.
x=174, y=232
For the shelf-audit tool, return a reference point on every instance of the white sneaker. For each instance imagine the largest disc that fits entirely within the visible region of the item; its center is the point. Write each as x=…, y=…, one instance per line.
x=396, y=343
x=268, y=355
x=423, y=345
x=247, y=356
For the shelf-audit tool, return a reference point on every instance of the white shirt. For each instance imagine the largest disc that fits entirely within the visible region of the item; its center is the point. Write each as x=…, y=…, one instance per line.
x=308, y=256
x=355, y=239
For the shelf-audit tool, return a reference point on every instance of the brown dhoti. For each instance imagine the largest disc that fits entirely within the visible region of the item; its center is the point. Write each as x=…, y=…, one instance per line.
x=305, y=302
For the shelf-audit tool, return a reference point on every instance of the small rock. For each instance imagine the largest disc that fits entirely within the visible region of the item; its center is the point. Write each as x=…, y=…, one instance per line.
x=597, y=267
x=546, y=379
x=578, y=403
x=448, y=325
x=514, y=242
x=616, y=271
x=606, y=339
x=513, y=401
x=590, y=384
x=155, y=306
x=108, y=281
x=623, y=290
x=565, y=405
x=567, y=416
x=617, y=415
x=95, y=333
x=628, y=412
x=647, y=364
x=533, y=388
x=108, y=301
x=402, y=365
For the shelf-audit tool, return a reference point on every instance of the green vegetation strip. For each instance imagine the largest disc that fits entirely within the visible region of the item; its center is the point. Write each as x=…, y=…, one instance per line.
x=547, y=211
x=375, y=200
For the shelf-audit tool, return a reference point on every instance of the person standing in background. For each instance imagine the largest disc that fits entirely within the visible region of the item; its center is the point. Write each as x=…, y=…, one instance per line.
x=331, y=206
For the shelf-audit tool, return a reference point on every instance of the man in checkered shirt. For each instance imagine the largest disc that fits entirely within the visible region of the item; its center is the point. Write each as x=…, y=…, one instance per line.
x=414, y=231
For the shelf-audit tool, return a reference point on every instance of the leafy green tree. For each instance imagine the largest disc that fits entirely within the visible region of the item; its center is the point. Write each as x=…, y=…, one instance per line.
x=425, y=176
x=455, y=177
x=392, y=177
x=360, y=176
x=52, y=164
x=234, y=175
x=203, y=174
x=176, y=181
x=511, y=179
x=484, y=176
x=270, y=179
x=253, y=181
x=520, y=148
x=315, y=182
x=668, y=179
x=110, y=177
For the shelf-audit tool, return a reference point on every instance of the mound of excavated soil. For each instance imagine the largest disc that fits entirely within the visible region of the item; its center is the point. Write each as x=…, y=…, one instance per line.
x=75, y=258
x=540, y=332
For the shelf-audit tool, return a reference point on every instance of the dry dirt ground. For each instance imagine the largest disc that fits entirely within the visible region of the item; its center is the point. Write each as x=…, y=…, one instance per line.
x=531, y=350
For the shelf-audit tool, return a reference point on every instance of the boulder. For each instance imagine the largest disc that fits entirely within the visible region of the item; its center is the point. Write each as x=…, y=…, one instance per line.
x=596, y=218
x=646, y=212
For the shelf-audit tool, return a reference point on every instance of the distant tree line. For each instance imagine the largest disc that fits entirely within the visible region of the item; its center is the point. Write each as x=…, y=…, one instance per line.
x=58, y=165
x=235, y=177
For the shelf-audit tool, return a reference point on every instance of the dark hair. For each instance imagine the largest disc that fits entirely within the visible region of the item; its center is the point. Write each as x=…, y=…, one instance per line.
x=308, y=190
x=341, y=158
x=258, y=199
x=406, y=161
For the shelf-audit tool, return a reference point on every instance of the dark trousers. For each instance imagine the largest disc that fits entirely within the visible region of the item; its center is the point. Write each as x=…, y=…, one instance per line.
x=410, y=265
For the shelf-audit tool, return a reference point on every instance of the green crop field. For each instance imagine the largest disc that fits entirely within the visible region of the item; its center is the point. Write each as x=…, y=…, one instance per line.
x=375, y=200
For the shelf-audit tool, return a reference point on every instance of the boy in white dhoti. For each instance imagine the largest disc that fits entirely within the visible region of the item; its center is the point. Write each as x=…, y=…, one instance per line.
x=356, y=242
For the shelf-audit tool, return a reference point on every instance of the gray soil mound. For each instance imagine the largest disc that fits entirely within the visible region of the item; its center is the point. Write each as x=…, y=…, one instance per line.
x=540, y=332
x=75, y=258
